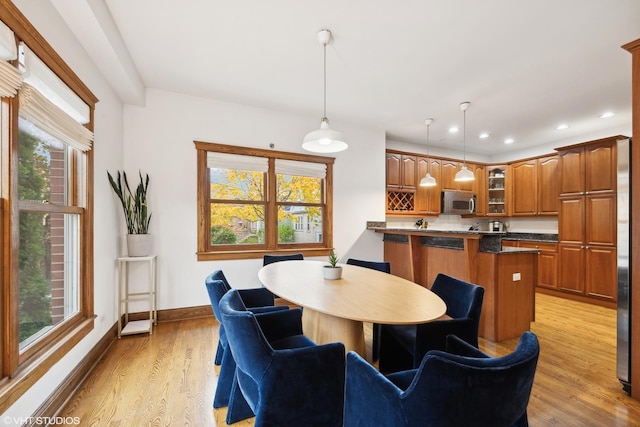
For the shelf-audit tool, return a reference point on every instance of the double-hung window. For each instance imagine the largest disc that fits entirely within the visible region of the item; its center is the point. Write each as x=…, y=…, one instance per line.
x=252, y=202
x=45, y=146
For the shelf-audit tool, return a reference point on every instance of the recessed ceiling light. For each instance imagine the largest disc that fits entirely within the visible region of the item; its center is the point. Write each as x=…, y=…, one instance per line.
x=562, y=126
x=508, y=141
x=607, y=114
x=484, y=135
x=453, y=129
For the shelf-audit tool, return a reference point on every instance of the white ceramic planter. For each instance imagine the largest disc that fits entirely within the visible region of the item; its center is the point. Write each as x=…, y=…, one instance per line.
x=139, y=245
x=331, y=273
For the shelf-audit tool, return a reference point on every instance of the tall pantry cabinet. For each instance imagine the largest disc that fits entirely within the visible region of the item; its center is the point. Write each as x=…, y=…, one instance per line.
x=587, y=219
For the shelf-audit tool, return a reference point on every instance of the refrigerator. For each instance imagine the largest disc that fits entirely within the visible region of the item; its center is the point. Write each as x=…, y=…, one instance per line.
x=624, y=257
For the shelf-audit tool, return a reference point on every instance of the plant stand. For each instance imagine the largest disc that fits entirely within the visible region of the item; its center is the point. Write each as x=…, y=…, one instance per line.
x=125, y=296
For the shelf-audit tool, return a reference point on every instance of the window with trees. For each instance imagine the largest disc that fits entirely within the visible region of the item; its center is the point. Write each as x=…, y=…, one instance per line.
x=46, y=124
x=252, y=202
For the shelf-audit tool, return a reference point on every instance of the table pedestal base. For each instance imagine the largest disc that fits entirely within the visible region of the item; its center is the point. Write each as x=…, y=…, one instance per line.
x=324, y=328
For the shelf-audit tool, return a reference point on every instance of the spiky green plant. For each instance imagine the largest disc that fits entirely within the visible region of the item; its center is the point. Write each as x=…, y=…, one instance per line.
x=134, y=205
x=333, y=259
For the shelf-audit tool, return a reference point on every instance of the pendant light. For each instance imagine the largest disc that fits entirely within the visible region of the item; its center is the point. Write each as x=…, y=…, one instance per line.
x=428, y=180
x=464, y=174
x=324, y=140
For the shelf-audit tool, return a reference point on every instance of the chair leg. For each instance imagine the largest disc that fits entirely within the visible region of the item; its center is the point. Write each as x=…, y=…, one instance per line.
x=239, y=408
x=219, y=354
x=225, y=380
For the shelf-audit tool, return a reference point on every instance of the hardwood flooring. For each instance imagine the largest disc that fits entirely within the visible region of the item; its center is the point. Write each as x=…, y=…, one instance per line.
x=168, y=378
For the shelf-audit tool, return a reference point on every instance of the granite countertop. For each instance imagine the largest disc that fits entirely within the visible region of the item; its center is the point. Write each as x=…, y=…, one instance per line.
x=511, y=249
x=430, y=230
x=532, y=237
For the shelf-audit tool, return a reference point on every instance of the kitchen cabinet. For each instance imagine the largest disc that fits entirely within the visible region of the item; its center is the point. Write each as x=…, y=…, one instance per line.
x=449, y=168
x=400, y=182
x=547, y=261
x=401, y=171
x=534, y=188
x=588, y=168
x=428, y=199
x=587, y=220
x=497, y=189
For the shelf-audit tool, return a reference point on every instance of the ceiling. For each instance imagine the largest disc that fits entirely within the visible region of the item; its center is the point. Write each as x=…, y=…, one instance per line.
x=526, y=66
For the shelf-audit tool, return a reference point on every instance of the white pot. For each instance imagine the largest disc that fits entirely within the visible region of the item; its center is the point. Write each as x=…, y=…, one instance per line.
x=331, y=273
x=139, y=245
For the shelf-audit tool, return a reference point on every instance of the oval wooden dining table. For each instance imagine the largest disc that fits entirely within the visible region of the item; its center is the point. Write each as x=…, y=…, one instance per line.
x=335, y=309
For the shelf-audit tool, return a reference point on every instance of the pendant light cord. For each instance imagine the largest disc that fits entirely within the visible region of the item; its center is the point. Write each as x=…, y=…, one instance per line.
x=324, y=61
x=464, y=137
x=428, y=159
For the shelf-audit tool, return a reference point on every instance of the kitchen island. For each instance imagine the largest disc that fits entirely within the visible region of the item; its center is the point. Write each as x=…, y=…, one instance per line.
x=508, y=274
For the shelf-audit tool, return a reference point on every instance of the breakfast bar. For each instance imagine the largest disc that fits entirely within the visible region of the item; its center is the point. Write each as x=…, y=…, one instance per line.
x=508, y=274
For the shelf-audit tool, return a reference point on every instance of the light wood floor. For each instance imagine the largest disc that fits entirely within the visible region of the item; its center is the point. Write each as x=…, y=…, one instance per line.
x=168, y=378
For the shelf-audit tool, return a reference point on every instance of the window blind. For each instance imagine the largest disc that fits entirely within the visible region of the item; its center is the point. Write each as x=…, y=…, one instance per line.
x=40, y=76
x=297, y=168
x=36, y=108
x=10, y=78
x=237, y=161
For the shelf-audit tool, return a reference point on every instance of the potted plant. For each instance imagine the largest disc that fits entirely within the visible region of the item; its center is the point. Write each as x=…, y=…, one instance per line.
x=332, y=271
x=136, y=213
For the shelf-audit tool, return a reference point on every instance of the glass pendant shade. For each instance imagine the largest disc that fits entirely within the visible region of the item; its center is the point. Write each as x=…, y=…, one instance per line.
x=324, y=140
x=427, y=181
x=464, y=175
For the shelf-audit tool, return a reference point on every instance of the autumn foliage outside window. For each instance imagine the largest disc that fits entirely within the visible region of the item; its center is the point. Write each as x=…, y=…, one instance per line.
x=258, y=201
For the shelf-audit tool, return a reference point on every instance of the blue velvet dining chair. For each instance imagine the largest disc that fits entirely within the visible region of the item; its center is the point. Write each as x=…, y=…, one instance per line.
x=460, y=387
x=270, y=259
x=402, y=347
x=283, y=377
x=258, y=300
x=385, y=267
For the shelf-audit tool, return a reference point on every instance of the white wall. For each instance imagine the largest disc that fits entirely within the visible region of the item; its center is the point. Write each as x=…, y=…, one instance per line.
x=159, y=141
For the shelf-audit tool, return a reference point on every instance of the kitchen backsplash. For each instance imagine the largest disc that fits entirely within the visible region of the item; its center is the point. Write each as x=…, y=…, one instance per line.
x=456, y=222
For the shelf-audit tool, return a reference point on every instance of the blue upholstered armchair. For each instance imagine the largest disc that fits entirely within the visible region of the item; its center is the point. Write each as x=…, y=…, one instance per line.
x=284, y=377
x=402, y=347
x=385, y=267
x=461, y=387
x=257, y=300
x=268, y=259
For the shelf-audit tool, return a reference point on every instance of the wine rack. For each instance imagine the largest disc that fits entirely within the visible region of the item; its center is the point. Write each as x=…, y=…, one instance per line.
x=400, y=201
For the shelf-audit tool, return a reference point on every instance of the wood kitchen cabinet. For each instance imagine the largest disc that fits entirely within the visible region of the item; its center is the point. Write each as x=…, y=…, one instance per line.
x=448, y=172
x=588, y=168
x=401, y=171
x=428, y=199
x=547, y=261
x=533, y=187
x=497, y=190
x=587, y=220
x=401, y=183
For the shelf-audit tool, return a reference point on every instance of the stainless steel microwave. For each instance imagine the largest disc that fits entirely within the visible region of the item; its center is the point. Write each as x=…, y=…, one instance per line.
x=458, y=203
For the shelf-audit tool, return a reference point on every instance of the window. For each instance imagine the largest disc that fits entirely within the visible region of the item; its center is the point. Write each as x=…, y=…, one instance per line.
x=252, y=202
x=47, y=284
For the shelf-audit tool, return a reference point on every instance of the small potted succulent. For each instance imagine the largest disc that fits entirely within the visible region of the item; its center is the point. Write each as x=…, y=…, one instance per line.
x=332, y=271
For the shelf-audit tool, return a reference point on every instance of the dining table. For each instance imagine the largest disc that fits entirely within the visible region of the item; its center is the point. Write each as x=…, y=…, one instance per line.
x=334, y=310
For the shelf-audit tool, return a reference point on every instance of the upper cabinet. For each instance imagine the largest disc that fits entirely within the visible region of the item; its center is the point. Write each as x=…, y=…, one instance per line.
x=533, y=187
x=401, y=171
x=588, y=168
x=496, y=190
x=401, y=183
x=428, y=199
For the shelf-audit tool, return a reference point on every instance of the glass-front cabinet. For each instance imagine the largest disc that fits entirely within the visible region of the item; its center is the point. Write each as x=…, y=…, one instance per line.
x=496, y=190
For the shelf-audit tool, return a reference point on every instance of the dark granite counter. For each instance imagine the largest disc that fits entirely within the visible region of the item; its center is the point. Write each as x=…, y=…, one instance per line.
x=532, y=237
